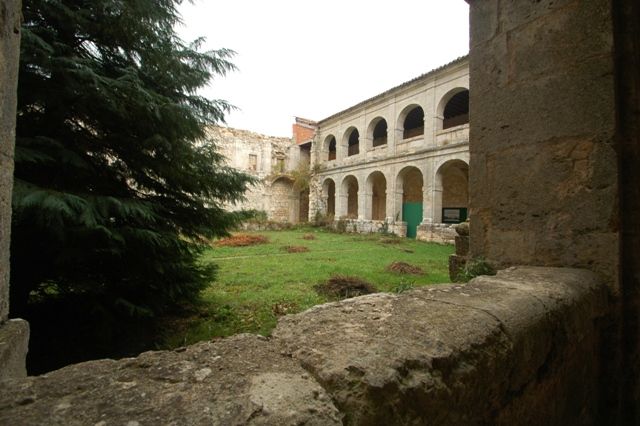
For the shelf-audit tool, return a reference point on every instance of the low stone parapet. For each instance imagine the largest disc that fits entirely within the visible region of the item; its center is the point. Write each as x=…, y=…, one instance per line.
x=521, y=347
x=458, y=260
x=436, y=232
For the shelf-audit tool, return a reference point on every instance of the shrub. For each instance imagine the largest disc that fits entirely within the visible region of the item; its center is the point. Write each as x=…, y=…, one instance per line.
x=402, y=287
x=474, y=268
x=322, y=220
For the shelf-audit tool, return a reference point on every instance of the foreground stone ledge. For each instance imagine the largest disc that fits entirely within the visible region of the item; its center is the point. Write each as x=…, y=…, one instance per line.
x=237, y=381
x=500, y=350
x=518, y=348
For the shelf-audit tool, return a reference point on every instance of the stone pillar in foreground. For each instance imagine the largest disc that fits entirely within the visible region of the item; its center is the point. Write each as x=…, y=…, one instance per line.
x=543, y=96
x=14, y=334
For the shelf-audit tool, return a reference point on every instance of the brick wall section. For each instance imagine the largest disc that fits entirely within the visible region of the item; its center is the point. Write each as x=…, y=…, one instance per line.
x=542, y=96
x=303, y=130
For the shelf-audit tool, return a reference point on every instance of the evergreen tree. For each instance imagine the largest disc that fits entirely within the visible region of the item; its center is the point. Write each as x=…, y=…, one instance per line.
x=116, y=187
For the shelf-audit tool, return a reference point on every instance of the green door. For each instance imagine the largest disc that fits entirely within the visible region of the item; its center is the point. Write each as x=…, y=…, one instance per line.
x=412, y=214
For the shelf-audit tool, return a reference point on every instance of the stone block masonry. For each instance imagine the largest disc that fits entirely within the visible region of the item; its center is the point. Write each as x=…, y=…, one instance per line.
x=518, y=348
x=542, y=95
x=554, y=147
x=9, y=53
x=14, y=335
x=263, y=157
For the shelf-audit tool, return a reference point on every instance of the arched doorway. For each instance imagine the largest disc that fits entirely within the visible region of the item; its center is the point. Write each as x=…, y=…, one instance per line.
x=377, y=196
x=454, y=108
x=330, y=147
x=452, y=180
x=413, y=122
x=284, y=201
x=329, y=195
x=377, y=132
x=410, y=182
x=350, y=191
x=352, y=138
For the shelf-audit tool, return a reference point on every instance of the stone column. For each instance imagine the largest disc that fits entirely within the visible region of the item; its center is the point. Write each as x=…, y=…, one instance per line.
x=398, y=133
x=14, y=334
x=428, y=199
x=430, y=195
x=342, y=201
x=397, y=203
x=391, y=140
x=342, y=149
x=325, y=203
x=9, y=54
x=391, y=197
x=543, y=178
x=364, y=203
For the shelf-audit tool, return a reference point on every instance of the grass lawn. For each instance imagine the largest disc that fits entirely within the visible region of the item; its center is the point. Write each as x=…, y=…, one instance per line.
x=258, y=283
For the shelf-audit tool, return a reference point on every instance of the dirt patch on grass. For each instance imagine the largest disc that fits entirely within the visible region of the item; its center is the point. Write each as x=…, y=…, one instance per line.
x=391, y=240
x=295, y=249
x=343, y=287
x=242, y=240
x=308, y=237
x=405, y=268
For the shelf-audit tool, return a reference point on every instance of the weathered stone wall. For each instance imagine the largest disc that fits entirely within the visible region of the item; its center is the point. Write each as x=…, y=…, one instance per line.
x=9, y=51
x=238, y=146
x=519, y=348
x=282, y=201
x=543, y=162
x=554, y=88
x=436, y=233
x=14, y=334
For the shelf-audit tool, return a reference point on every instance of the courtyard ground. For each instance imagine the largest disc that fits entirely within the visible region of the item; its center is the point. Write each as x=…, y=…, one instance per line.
x=256, y=284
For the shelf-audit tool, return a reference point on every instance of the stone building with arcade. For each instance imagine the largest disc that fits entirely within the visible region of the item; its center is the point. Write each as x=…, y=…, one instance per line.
x=398, y=161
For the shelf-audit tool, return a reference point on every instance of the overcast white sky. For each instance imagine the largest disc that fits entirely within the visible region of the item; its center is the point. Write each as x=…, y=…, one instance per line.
x=311, y=58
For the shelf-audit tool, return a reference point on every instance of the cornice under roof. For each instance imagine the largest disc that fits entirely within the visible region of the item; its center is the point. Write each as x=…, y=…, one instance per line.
x=406, y=83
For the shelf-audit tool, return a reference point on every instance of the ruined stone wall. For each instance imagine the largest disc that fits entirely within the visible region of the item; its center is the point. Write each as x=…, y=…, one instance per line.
x=542, y=96
x=282, y=207
x=257, y=155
